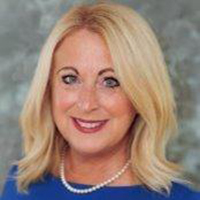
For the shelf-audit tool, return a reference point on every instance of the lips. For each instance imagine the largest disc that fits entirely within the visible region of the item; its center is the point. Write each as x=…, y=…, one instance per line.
x=89, y=121
x=88, y=126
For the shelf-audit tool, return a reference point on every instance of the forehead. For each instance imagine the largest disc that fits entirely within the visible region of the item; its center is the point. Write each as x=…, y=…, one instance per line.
x=83, y=49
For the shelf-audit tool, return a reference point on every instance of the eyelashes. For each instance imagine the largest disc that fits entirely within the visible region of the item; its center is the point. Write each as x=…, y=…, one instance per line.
x=112, y=80
x=109, y=82
x=68, y=78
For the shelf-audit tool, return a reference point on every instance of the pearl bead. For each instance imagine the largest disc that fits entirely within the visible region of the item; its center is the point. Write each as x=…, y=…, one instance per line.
x=93, y=188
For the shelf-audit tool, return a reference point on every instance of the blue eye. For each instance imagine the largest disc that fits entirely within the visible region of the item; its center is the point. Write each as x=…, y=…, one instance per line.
x=111, y=82
x=69, y=79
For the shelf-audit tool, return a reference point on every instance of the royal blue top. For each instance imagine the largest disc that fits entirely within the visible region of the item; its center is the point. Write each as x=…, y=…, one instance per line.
x=52, y=188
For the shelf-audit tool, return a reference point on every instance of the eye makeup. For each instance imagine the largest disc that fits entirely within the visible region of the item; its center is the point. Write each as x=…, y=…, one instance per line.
x=109, y=82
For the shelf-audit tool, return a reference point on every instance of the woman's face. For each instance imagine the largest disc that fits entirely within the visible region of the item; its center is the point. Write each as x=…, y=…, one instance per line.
x=85, y=87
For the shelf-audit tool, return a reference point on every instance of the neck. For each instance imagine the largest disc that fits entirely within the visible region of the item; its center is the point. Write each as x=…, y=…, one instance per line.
x=93, y=169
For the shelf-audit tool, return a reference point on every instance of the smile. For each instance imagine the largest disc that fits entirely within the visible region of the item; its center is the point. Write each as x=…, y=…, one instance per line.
x=88, y=126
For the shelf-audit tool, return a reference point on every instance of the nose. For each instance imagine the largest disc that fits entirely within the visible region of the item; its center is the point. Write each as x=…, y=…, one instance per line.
x=87, y=99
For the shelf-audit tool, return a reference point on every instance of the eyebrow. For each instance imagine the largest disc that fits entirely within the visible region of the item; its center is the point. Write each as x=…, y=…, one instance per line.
x=76, y=71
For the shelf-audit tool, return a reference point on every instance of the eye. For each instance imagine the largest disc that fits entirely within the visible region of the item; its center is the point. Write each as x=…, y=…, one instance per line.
x=111, y=82
x=69, y=79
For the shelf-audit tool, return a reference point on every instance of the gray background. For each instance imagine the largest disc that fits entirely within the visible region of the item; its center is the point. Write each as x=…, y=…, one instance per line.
x=24, y=25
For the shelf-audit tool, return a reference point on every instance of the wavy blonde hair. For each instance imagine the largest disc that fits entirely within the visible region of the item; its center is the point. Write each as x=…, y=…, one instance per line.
x=141, y=69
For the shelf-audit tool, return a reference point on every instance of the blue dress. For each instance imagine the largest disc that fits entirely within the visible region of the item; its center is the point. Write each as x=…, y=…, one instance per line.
x=51, y=188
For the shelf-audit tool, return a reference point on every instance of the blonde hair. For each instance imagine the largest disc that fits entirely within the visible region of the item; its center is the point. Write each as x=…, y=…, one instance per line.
x=141, y=69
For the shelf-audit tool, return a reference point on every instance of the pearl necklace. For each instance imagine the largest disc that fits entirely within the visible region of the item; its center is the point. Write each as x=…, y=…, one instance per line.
x=93, y=188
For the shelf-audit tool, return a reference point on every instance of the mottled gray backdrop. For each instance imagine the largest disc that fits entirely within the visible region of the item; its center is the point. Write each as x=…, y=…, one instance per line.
x=24, y=25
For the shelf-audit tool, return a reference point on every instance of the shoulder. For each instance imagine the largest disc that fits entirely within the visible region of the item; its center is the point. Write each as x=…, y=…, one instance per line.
x=12, y=172
x=39, y=189
x=11, y=176
x=10, y=191
x=184, y=192
x=178, y=191
x=10, y=184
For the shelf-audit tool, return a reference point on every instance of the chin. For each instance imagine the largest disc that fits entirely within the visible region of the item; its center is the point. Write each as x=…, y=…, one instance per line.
x=89, y=149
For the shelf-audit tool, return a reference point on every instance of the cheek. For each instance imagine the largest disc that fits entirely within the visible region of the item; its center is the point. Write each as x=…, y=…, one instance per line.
x=119, y=105
x=62, y=100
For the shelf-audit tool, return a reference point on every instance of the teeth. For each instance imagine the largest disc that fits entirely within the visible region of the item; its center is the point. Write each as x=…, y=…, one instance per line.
x=88, y=125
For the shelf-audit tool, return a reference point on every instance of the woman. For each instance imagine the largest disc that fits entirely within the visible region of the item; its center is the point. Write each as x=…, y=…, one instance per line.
x=99, y=113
